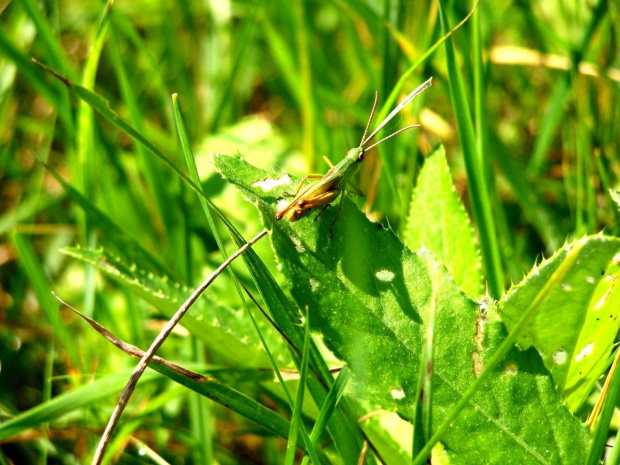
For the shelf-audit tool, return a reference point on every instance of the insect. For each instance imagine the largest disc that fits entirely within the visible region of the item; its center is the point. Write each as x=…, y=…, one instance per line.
x=337, y=181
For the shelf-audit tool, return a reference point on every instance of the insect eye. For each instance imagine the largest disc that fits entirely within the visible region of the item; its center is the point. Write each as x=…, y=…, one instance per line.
x=361, y=156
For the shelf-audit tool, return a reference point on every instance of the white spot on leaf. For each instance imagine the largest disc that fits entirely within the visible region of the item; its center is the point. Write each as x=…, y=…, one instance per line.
x=298, y=245
x=511, y=369
x=566, y=287
x=478, y=364
x=559, y=357
x=587, y=350
x=397, y=393
x=602, y=300
x=314, y=284
x=384, y=275
x=590, y=279
x=268, y=184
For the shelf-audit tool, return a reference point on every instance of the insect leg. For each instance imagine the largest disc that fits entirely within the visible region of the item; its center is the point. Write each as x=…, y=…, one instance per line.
x=331, y=225
x=321, y=212
x=303, y=181
x=305, y=201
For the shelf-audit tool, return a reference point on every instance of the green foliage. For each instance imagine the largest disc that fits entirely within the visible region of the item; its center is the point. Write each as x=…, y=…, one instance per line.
x=86, y=396
x=598, y=335
x=110, y=201
x=210, y=319
x=475, y=165
x=580, y=304
x=364, y=285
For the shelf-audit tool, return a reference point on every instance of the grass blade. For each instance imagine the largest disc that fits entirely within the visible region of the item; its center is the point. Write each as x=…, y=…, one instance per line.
x=335, y=393
x=555, y=110
x=158, y=187
x=305, y=71
x=41, y=286
x=475, y=167
x=296, y=423
x=422, y=423
x=29, y=71
x=191, y=163
x=243, y=46
x=550, y=121
x=88, y=395
x=52, y=43
x=609, y=397
x=389, y=102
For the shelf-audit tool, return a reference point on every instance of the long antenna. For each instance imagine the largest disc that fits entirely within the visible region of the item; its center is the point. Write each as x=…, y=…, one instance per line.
x=392, y=135
x=425, y=85
x=372, y=114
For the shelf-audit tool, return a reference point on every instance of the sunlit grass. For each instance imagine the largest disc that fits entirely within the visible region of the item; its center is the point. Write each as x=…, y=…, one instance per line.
x=524, y=99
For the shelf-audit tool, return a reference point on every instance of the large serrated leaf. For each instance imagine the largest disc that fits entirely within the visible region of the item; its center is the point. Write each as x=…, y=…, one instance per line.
x=438, y=221
x=369, y=295
x=556, y=329
x=226, y=330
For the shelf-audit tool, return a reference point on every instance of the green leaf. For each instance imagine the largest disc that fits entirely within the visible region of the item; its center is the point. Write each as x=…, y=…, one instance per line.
x=438, y=222
x=525, y=402
x=365, y=285
x=564, y=328
x=225, y=329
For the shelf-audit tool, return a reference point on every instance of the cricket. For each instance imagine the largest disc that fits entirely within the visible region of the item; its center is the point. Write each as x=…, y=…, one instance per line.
x=338, y=180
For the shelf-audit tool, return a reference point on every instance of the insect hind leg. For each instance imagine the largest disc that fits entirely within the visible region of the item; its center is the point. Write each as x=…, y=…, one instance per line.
x=331, y=225
x=321, y=212
x=303, y=181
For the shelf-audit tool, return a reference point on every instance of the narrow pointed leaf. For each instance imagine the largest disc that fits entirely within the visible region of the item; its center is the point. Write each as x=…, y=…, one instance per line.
x=438, y=221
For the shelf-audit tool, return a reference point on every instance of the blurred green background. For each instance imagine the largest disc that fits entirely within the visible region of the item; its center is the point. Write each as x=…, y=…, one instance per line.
x=282, y=83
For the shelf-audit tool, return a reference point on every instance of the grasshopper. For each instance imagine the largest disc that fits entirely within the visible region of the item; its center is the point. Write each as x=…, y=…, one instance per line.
x=336, y=181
